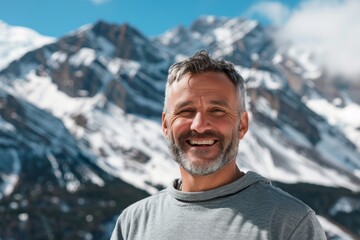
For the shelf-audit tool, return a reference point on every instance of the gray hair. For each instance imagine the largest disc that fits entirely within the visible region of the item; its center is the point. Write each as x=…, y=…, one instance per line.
x=201, y=62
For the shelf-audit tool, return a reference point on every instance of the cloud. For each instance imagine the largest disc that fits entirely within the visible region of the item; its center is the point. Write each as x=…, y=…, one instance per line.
x=99, y=2
x=273, y=11
x=330, y=29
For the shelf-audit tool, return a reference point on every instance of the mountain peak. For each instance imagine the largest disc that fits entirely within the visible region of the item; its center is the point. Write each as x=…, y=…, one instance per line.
x=113, y=31
x=205, y=23
x=15, y=41
x=129, y=43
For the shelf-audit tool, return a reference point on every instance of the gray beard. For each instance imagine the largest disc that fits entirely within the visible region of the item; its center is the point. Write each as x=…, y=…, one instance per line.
x=226, y=154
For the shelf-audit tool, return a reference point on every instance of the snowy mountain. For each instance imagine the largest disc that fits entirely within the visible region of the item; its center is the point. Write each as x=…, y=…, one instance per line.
x=80, y=116
x=16, y=41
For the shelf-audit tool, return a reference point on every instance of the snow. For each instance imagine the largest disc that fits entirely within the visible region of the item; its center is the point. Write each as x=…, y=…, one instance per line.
x=113, y=65
x=333, y=230
x=170, y=36
x=55, y=167
x=176, y=36
x=263, y=106
x=345, y=204
x=312, y=75
x=297, y=168
x=307, y=66
x=158, y=85
x=57, y=58
x=109, y=131
x=16, y=41
x=9, y=175
x=81, y=30
x=346, y=118
x=223, y=35
x=255, y=78
x=43, y=93
x=84, y=56
x=91, y=176
x=121, y=66
x=278, y=58
x=298, y=137
x=227, y=35
x=337, y=153
x=6, y=126
x=116, y=140
x=209, y=19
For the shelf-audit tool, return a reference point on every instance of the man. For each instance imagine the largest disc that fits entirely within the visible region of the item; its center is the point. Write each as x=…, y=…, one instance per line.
x=204, y=119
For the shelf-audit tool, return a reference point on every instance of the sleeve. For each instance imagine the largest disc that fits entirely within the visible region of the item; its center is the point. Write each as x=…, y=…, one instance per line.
x=117, y=234
x=309, y=228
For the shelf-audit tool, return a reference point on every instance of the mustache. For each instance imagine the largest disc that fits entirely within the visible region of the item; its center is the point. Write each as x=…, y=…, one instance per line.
x=206, y=134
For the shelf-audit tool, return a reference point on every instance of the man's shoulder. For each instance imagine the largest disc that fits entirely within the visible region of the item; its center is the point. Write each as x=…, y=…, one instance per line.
x=145, y=204
x=287, y=214
x=135, y=216
x=282, y=200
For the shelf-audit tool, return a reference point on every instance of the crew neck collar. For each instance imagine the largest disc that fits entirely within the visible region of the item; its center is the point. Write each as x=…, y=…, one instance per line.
x=240, y=184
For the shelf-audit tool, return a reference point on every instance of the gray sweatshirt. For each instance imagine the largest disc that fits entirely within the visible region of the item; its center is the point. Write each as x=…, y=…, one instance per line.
x=249, y=208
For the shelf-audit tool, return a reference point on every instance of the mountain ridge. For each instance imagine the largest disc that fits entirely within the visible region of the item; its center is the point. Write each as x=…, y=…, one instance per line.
x=105, y=84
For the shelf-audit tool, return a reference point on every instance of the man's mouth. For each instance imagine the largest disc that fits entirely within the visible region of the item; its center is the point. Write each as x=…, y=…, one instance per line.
x=201, y=142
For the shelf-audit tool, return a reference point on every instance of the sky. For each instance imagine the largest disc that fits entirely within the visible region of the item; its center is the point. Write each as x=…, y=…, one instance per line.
x=329, y=28
x=58, y=17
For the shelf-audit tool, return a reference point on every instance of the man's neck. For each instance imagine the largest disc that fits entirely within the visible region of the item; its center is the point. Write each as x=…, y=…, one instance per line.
x=226, y=175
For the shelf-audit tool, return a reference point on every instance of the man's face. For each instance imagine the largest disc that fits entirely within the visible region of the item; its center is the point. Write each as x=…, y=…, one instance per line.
x=202, y=122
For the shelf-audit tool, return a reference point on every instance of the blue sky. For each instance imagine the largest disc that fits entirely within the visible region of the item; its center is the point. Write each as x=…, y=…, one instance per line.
x=58, y=17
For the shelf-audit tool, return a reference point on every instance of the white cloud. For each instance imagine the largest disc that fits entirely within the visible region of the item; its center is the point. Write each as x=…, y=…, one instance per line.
x=99, y=2
x=276, y=12
x=331, y=29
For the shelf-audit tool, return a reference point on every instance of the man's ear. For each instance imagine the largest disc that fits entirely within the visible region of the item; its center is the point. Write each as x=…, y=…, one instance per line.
x=244, y=124
x=164, y=125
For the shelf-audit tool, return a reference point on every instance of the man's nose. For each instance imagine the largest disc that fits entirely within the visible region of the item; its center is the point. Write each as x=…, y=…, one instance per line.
x=200, y=123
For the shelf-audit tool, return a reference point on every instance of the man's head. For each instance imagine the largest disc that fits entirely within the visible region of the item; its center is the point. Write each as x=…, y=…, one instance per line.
x=204, y=114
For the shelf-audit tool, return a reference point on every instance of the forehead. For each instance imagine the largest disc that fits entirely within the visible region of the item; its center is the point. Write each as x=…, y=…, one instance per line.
x=204, y=85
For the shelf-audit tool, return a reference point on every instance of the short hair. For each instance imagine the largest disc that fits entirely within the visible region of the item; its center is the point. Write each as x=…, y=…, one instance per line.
x=201, y=62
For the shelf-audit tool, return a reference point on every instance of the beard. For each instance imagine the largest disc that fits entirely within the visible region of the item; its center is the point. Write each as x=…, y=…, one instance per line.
x=225, y=154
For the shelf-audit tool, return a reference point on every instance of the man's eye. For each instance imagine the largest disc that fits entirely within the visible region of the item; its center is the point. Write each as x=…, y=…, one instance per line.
x=186, y=112
x=217, y=111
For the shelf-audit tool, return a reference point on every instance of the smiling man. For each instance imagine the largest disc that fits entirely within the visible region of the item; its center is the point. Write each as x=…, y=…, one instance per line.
x=203, y=125
x=204, y=119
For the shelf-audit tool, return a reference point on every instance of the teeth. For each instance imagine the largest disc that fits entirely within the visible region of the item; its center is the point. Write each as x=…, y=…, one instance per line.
x=202, y=142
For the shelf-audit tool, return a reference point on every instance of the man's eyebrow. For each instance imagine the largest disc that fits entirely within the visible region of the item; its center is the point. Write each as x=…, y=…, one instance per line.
x=183, y=104
x=219, y=103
